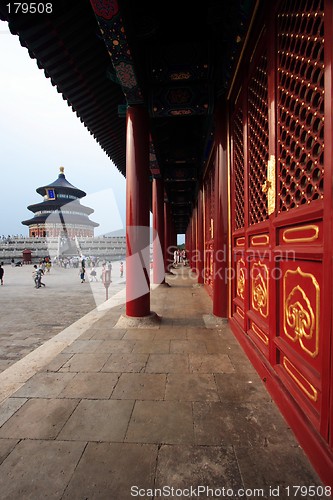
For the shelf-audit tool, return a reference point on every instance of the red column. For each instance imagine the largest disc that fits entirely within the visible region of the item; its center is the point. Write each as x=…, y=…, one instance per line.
x=158, y=231
x=166, y=237
x=200, y=239
x=187, y=239
x=220, y=289
x=194, y=240
x=190, y=242
x=137, y=213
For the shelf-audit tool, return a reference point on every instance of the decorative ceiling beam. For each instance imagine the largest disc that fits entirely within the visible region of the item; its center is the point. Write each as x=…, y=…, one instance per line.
x=113, y=32
x=112, y=29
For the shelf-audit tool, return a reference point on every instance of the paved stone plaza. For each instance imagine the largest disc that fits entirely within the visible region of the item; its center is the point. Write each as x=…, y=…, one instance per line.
x=115, y=413
x=30, y=316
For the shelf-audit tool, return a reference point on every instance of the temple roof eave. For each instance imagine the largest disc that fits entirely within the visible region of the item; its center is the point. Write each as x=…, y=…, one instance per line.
x=59, y=204
x=78, y=193
x=42, y=219
x=62, y=185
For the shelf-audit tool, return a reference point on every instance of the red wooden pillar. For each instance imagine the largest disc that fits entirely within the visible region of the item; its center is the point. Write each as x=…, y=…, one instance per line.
x=137, y=213
x=200, y=239
x=158, y=231
x=220, y=288
x=188, y=242
x=167, y=238
x=194, y=240
x=193, y=245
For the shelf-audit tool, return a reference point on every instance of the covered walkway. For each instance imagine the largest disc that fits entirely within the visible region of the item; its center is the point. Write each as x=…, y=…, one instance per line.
x=175, y=405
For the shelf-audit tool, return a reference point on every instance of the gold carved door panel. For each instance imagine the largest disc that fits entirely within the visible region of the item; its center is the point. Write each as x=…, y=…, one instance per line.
x=278, y=207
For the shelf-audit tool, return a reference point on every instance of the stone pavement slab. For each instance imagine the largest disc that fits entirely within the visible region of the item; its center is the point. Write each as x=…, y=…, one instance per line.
x=44, y=385
x=90, y=386
x=107, y=471
x=37, y=469
x=39, y=419
x=161, y=422
x=126, y=362
x=6, y=446
x=191, y=387
x=167, y=363
x=140, y=386
x=198, y=466
x=98, y=420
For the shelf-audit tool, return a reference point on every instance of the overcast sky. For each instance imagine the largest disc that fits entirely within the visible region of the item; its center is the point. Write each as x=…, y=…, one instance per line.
x=39, y=133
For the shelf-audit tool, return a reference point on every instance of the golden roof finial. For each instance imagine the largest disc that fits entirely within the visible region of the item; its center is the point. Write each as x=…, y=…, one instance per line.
x=62, y=169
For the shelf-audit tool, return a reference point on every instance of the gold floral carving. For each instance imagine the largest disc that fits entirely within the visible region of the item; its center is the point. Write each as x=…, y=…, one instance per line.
x=269, y=186
x=301, y=317
x=260, y=288
x=211, y=228
x=240, y=278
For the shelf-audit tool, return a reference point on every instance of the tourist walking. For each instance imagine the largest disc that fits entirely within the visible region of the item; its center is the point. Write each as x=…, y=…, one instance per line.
x=93, y=274
x=175, y=257
x=121, y=269
x=82, y=274
x=2, y=272
x=37, y=274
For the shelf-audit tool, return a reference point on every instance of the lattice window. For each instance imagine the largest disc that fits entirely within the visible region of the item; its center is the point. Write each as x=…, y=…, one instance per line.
x=258, y=142
x=238, y=157
x=300, y=29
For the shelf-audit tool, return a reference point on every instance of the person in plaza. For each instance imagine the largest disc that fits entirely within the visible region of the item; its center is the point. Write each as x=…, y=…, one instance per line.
x=83, y=261
x=93, y=274
x=37, y=274
x=82, y=274
x=103, y=271
x=121, y=269
x=2, y=272
x=175, y=255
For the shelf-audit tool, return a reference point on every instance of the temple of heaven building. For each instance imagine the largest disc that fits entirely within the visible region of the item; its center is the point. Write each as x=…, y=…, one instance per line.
x=61, y=212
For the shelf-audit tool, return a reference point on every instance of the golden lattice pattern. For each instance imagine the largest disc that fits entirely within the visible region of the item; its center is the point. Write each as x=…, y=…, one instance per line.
x=238, y=157
x=258, y=141
x=300, y=30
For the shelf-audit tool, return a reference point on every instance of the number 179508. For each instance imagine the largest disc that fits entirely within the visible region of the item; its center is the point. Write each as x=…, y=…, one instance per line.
x=29, y=8
x=308, y=491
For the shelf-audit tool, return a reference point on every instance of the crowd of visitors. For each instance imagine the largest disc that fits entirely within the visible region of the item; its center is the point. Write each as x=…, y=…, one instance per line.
x=179, y=257
x=87, y=266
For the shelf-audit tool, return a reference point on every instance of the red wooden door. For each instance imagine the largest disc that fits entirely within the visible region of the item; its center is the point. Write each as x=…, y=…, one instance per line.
x=282, y=205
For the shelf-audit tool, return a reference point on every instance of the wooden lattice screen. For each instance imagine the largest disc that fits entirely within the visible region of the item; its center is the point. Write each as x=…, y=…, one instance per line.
x=300, y=103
